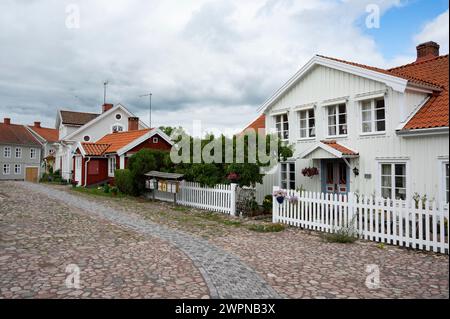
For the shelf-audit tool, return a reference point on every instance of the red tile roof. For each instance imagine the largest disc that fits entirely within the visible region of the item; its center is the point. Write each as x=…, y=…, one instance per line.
x=48, y=134
x=259, y=123
x=432, y=72
x=113, y=142
x=17, y=135
x=95, y=149
x=121, y=139
x=435, y=112
x=77, y=118
x=338, y=147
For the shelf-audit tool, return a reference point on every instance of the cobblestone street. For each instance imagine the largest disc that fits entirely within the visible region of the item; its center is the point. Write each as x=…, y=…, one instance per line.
x=139, y=249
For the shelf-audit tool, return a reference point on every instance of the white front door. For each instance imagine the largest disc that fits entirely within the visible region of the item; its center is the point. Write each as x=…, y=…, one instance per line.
x=78, y=170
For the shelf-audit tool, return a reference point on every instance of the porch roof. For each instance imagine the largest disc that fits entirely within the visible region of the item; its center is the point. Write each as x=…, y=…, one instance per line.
x=329, y=149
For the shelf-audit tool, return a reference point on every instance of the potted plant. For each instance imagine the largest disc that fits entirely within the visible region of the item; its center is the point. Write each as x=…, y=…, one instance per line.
x=293, y=199
x=280, y=195
x=310, y=171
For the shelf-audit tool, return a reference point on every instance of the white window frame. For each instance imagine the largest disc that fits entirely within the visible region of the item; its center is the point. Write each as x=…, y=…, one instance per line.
x=307, y=128
x=6, y=169
x=17, y=172
x=111, y=166
x=7, y=152
x=117, y=125
x=336, y=117
x=392, y=162
x=443, y=181
x=282, y=133
x=118, y=114
x=33, y=153
x=155, y=140
x=288, y=181
x=18, y=150
x=373, y=119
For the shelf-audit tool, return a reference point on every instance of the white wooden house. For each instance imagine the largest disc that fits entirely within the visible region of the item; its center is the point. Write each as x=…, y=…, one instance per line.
x=366, y=130
x=75, y=127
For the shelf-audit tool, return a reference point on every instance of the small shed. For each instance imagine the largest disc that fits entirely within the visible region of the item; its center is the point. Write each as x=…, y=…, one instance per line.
x=163, y=182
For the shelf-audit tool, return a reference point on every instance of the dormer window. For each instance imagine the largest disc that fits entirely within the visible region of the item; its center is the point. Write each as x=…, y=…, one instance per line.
x=117, y=128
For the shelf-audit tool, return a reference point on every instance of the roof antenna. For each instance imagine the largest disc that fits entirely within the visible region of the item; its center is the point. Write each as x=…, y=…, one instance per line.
x=104, y=91
x=149, y=95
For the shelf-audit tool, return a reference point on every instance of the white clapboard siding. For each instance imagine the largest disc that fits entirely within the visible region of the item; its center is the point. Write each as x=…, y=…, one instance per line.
x=220, y=198
x=422, y=225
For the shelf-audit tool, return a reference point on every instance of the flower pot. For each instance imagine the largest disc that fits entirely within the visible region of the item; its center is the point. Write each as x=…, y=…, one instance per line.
x=280, y=199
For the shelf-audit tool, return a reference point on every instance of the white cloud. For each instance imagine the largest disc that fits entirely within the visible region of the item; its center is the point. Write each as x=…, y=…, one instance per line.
x=437, y=31
x=213, y=60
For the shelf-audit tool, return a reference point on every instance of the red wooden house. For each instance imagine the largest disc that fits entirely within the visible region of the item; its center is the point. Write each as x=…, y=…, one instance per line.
x=95, y=163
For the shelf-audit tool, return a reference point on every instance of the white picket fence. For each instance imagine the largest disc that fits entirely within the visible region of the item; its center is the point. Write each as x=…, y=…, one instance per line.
x=422, y=225
x=220, y=198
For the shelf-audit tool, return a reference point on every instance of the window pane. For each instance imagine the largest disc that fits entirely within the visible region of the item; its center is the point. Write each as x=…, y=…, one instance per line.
x=386, y=169
x=386, y=192
x=381, y=126
x=342, y=119
x=331, y=110
x=303, y=123
x=311, y=113
x=386, y=181
x=400, y=182
x=366, y=106
x=303, y=115
x=342, y=108
x=342, y=129
x=367, y=116
x=331, y=120
x=292, y=185
x=400, y=169
x=400, y=193
x=332, y=130
x=379, y=104
x=367, y=127
x=303, y=133
x=380, y=114
x=312, y=132
x=292, y=167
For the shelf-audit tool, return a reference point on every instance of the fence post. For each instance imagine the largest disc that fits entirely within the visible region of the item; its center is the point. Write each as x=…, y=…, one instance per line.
x=275, y=206
x=351, y=206
x=233, y=199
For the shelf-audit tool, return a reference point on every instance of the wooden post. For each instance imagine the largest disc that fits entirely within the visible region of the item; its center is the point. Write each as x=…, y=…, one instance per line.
x=233, y=199
x=275, y=206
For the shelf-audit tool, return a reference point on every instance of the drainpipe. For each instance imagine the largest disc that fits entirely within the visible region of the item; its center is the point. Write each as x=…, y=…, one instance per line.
x=86, y=171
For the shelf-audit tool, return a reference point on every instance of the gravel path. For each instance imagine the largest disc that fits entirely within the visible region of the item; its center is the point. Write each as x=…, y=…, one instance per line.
x=225, y=274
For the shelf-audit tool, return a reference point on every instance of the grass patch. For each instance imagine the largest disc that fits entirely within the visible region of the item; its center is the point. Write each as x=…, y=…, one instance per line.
x=97, y=192
x=234, y=223
x=267, y=228
x=343, y=235
x=180, y=208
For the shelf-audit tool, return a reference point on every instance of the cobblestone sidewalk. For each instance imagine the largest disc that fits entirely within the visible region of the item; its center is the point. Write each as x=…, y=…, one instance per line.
x=225, y=275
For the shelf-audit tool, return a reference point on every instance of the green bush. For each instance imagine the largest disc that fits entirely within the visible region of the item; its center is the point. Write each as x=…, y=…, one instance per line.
x=267, y=203
x=140, y=163
x=114, y=190
x=125, y=181
x=267, y=228
x=106, y=188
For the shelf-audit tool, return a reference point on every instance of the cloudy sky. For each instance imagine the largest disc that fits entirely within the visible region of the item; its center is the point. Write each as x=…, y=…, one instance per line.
x=209, y=60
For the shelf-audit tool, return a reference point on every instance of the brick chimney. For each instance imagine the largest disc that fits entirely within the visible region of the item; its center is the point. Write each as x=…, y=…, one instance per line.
x=37, y=124
x=133, y=123
x=7, y=120
x=427, y=50
x=107, y=107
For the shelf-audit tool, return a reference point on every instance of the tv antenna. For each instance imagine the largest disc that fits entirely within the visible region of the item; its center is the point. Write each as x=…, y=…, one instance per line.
x=105, y=84
x=149, y=95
